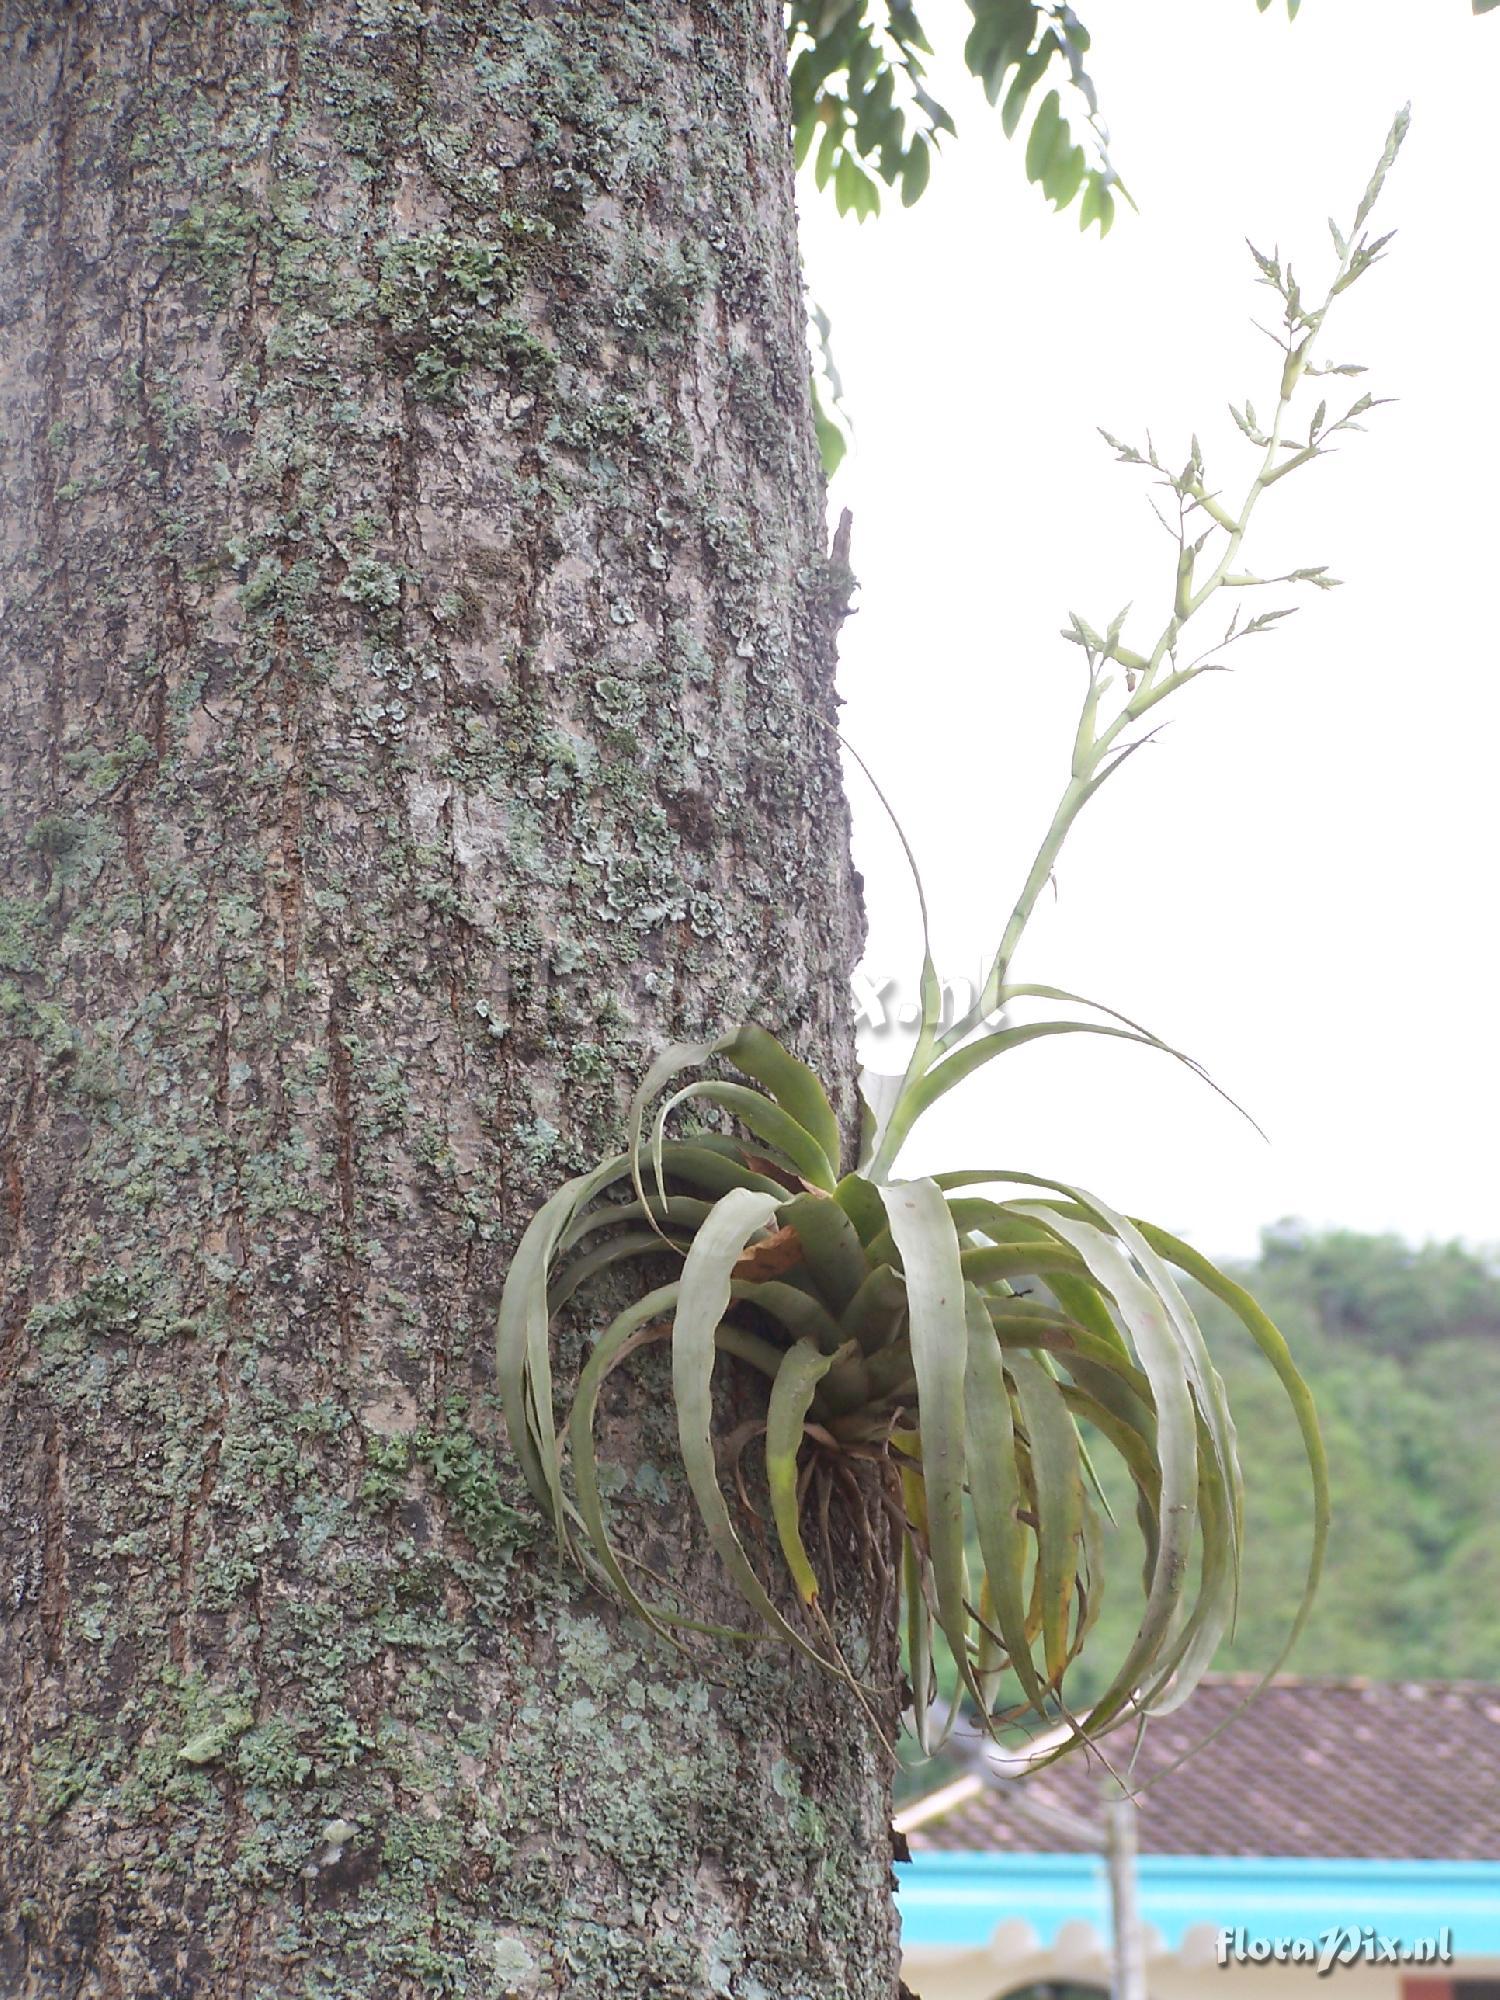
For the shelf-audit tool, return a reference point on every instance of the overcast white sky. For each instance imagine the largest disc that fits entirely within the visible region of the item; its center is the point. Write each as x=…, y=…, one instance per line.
x=1298, y=882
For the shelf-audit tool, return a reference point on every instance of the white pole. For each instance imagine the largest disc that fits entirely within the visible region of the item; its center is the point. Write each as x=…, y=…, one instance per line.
x=1128, y=1980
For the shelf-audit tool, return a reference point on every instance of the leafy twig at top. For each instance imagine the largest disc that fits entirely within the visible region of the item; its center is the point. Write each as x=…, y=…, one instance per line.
x=863, y=113
x=948, y=1338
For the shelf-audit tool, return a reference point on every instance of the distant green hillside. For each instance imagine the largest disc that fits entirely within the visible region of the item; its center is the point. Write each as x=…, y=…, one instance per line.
x=1402, y=1348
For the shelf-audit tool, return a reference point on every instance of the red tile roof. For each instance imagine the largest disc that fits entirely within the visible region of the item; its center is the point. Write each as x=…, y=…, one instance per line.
x=1404, y=1770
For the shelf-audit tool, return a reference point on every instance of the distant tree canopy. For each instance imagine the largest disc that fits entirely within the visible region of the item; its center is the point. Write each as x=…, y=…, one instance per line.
x=1401, y=1348
x=1380, y=1291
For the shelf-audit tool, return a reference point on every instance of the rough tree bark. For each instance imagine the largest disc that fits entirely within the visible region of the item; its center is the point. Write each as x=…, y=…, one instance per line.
x=417, y=669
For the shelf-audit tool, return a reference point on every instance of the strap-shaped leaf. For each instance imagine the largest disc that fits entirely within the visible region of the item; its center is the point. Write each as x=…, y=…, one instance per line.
x=684, y=1209
x=794, y=1086
x=876, y=1313
x=1076, y=1294
x=1204, y=1378
x=925, y=1238
x=919, y=1094
x=995, y=1488
x=1196, y=1646
x=523, y=1367
x=1272, y=1344
x=1058, y=1482
x=1085, y=1456
x=704, y=1163
x=1028, y=1323
x=1131, y=1446
x=802, y=1369
x=990, y=1656
x=613, y=1346
x=766, y=1119
x=860, y=1201
x=1207, y=1384
x=1161, y=1361
x=1037, y=1258
x=916, y=1573
x=803, y=1316
x=619, y=1250
x=1094, y=1574
x=703, y=1297
x=673, y=1060
x=918, y=1623
x=704, y=1166
x=831, y=1248
x=797, y=1109
x=645, y=1319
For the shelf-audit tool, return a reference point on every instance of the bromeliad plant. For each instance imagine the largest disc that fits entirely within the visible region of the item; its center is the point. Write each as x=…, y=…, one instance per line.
x=957, y=1333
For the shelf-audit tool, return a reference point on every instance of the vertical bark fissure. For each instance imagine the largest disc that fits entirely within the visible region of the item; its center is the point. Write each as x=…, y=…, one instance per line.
x=56, y=297
x=342, y=1067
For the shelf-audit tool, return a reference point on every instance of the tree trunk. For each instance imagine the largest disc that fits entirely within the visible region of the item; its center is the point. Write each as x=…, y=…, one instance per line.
x=417, y=676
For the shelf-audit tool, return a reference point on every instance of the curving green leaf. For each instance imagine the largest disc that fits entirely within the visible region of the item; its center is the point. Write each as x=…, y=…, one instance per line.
x=1160, y=1356
x=523, y=1366
x=995, y=1487
x=621, y=1337
x=792, y=1084
x=703, y=1297
x=928, y=1247
x=1052, y=1443
x=765, y=1119
x=685, y=1210
x=620, y=1250
x=860, y=1201
x=804, y=1316
x=641, y=1322
x=875, y=1315
x=791, y=1397
x=831, y=1249
x=1272, y=1344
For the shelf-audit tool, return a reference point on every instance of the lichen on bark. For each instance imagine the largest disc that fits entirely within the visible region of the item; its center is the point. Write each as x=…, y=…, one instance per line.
x=417, y=679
